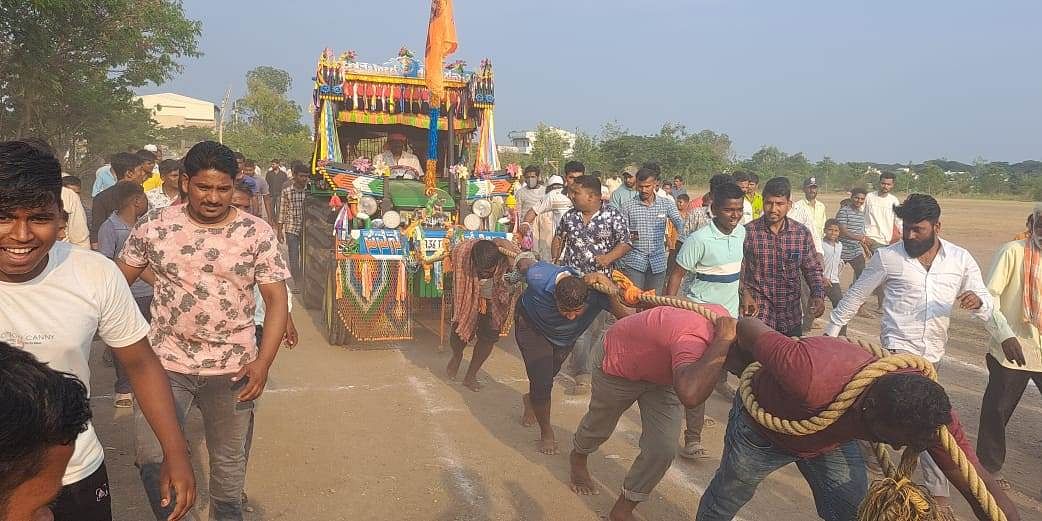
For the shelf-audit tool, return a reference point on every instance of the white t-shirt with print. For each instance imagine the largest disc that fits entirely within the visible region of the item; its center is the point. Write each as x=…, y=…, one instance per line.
x=54, y=316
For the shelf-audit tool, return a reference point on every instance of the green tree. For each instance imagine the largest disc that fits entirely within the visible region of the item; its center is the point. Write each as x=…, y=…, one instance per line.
x=548, y=149
x=266, y=122
x=68, y=67
x=586, y=150
x=931, y=180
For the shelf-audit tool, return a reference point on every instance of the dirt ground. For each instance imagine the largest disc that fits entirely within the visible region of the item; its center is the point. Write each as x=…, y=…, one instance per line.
x=379, y=433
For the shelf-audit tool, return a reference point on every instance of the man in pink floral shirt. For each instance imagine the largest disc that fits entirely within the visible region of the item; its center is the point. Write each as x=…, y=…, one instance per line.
x=207, y=256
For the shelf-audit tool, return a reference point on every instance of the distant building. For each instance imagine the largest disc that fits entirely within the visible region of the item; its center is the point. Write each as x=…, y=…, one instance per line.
x=174, y=110
x=523, y=140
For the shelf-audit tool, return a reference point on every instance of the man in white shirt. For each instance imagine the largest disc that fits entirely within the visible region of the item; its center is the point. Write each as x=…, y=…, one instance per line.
x=880, y=220
x=531, y=192
x=76, y=231
x=811, y=213
x=396, y=154
x=923, y=278
x=556, y=202
x=40, y=276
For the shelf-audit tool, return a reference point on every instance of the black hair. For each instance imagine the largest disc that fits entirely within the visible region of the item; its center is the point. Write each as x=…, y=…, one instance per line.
x=299, y=167
x=146, y=155
x=571, y=292
x=239, y=156
x=888, y=175
x=727, y=192
x=831, y=222
x=651, y=165
x=646, y=173
x=211, y=155
x=169, y=165
x=532, y=168
x=574, y=166
x=71, y=180
x=911, y=402
x=777, y=187
x=249, y=163
x=485, y=255
x=124, y=192
x=678, y=178
x=588, y=182
x=30, y=177
x=124, y=162
x=754, y=179
x=858, y=190
x=42, y=408
x=683, y=197
x=719, y=180
x=740, y=176
x=919, y=208
x=38, y=143
x=241, y=186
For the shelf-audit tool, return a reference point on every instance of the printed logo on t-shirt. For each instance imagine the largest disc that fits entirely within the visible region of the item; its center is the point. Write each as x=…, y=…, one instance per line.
x=21, y=341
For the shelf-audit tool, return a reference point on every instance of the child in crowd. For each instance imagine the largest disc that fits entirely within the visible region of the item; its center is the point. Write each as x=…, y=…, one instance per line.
x=833, y=262
x=131, y=204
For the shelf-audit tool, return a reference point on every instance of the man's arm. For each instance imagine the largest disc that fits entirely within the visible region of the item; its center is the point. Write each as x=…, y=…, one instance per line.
x=152, y=393
x=952, y=472
x=688, y=257
x=269, y=209
x=694, y=382
x=615, y=305
x=556, y=245
x=674, y=215
x=856, y=295
x=1002, y=269
x=132, y=273
x=973, y=283
x=811, y=266
x=275, y=317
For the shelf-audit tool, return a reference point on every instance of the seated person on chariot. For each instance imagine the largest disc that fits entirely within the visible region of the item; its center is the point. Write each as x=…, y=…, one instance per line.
x=395, y=154
x=801, y=378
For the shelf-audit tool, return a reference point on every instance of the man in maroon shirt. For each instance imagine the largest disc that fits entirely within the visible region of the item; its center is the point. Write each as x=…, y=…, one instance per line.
x=799, y=378
x=659, y=358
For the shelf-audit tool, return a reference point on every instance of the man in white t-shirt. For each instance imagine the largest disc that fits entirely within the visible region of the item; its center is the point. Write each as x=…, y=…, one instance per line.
x=53, y=298
x=880, y=219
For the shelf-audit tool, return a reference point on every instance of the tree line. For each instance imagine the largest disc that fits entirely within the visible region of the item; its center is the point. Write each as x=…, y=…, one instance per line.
x=696, y=156
x=69, y=69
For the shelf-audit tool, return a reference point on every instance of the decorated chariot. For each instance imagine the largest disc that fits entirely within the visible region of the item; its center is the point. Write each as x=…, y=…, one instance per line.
x=397, y=177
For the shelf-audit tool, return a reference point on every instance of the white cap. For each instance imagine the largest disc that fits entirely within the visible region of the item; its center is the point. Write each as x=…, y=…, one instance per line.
x=152, y=148
x=555, y=180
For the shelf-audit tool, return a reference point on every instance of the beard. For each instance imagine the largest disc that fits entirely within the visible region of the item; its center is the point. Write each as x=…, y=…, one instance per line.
x=915, y=248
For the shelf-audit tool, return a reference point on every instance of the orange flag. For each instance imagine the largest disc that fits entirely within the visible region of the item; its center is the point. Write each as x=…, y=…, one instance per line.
x=441, y=42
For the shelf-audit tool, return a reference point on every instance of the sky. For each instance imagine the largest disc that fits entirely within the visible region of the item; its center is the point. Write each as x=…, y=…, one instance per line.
x=856, y=80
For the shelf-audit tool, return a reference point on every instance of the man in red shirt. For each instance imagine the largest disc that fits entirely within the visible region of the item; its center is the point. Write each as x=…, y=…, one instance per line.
x=659, y=358
x=799, y=379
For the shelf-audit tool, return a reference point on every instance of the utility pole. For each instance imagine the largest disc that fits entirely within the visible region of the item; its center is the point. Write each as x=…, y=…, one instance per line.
x=220, y=123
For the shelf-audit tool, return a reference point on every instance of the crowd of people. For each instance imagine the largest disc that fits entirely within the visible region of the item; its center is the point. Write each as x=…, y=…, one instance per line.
x=190, y=294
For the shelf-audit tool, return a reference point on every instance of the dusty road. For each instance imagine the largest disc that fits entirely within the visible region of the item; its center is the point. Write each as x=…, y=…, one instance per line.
x=347, y=434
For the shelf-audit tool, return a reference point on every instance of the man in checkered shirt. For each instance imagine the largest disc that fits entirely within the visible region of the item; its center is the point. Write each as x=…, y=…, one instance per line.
x=291, y=218
x=778, y=250
x=647, y=213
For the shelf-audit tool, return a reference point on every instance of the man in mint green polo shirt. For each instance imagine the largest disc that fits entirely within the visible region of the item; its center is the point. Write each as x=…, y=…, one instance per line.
x=709, y=263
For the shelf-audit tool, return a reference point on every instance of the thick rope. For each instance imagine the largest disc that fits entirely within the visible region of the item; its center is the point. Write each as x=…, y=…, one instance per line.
x=894, y=498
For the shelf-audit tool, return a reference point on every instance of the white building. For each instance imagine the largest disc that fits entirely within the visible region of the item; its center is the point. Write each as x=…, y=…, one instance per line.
x=523, y=140
x=174, y=110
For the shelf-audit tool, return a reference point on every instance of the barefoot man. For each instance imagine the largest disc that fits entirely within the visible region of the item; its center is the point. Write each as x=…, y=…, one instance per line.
x=481, y=302
x=659, y=358
x=556, y=307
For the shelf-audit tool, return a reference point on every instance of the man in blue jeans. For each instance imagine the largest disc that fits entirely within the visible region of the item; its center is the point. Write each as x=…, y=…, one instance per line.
x=799, y=379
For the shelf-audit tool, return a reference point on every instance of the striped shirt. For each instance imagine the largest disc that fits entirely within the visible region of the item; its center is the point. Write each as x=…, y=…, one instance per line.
x=854, y=221
x=713, y=261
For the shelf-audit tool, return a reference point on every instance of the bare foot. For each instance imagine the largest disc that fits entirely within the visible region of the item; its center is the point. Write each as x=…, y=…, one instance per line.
x=453, y=367
x=547, y=446
x=528, y=416
x=621, y=516
x=473, y=384
x=582, y=483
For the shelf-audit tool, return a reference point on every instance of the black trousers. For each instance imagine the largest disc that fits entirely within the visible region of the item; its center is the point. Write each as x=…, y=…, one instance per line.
x=1005, y=387
x=543, y=359
x=85, y=500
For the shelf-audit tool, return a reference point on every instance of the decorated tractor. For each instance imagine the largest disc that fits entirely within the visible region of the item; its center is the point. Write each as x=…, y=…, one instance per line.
x=396, y=179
